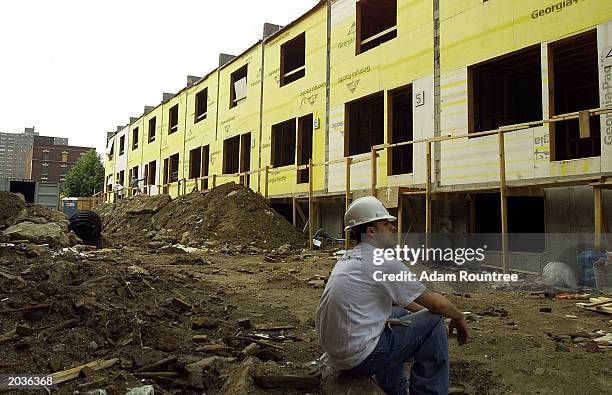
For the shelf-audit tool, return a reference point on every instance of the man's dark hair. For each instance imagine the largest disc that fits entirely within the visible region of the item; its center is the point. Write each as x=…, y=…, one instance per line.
x=359, y=230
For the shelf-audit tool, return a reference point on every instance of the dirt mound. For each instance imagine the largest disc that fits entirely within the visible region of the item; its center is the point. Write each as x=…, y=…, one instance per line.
x=12, y=208
x=228, y=214
x=34, y=223
x=42, y=214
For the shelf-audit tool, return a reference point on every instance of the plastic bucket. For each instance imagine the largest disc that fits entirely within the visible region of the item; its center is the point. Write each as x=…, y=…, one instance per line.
x=603, y=275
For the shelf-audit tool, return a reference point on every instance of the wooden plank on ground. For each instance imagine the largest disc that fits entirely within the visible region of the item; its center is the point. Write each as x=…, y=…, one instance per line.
x=600, y=305
x=72, y=373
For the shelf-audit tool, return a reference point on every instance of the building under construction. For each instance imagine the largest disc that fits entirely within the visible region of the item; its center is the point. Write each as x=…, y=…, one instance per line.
x=463, y=116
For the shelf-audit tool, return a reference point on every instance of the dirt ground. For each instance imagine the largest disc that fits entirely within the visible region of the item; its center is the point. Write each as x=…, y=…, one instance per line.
x=516, y=353
x=174, y=298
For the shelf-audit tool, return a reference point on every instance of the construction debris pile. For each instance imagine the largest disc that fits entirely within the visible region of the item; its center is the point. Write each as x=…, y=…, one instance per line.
x=228, y=215
x=34, y=224
x=96, y=321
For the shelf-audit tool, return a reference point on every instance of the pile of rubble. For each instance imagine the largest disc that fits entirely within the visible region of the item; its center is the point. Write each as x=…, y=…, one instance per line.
x=94, y=320
x=228, y=215
x=30, y=223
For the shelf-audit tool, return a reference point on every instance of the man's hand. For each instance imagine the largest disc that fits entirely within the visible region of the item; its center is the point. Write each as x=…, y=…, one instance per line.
x=462, y=331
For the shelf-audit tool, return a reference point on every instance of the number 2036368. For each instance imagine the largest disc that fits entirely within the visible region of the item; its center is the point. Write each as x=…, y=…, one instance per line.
x=25, y=381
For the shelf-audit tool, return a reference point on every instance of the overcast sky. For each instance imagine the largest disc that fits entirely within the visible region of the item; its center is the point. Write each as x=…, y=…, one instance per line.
x=77, y=69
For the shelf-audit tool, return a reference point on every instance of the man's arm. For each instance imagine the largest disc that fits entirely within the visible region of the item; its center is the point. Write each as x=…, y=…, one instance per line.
x=438, y=304
x=414, y=307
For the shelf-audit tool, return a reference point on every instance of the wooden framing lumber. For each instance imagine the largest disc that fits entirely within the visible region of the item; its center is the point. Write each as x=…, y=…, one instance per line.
x=400, y=219
x=374, y=164
x=347, y=200
x=310, y=204
x=504, y=201
x=599, y=218
x=300, y=211
x=72, y=373
x=428, y=202
x=584, y=125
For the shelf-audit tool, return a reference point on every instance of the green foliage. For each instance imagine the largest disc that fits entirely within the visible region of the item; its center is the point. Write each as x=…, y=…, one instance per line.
x=86, y=176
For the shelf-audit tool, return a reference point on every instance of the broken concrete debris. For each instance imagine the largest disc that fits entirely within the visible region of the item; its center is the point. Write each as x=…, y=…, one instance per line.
x=22, y=223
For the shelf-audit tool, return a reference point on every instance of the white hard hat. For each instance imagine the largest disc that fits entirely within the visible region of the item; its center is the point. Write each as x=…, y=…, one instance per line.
x=364, y=210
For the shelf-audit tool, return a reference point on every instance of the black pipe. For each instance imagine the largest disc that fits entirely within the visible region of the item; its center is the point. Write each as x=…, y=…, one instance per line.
x=87, y=225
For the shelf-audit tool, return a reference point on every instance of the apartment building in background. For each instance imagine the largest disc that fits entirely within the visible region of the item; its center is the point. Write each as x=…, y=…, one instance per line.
x=14, y=148
x=50, y=162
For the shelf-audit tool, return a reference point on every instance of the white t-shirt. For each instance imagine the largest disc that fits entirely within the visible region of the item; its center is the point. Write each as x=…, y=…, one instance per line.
x=354, y=306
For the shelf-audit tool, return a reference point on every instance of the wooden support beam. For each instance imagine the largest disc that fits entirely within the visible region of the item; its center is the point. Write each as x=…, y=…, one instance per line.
x=294, y=210
x=214, y=180
x=310, y=203
x=599, y=218
x=471, y=215
x=584, y=124
x=300, y=211
x=266, y=177
x=502, y=195
x=428, y=208
x=374, y=164
x=400, y=218
x=347, y=200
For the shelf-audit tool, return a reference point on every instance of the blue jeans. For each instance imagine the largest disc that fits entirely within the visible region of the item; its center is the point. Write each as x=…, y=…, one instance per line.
x=424, y=341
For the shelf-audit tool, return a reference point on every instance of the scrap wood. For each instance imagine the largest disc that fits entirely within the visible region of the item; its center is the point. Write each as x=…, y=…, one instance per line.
x=157, y=364
x=302, y=381
x=251, y=349
x=604, y=309
x=26, y=308
x=600, y=305
x=58, y=327
x=87, y=372
x=263, y=343
x=595, y=302
x=214, y=348
x=605, y=338
x=579, y=336
x=72, y=373
x=145, y=282
x=274, y=327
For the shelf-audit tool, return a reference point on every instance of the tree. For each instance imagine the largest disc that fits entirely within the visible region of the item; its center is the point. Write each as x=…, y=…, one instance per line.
x=86, y=176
